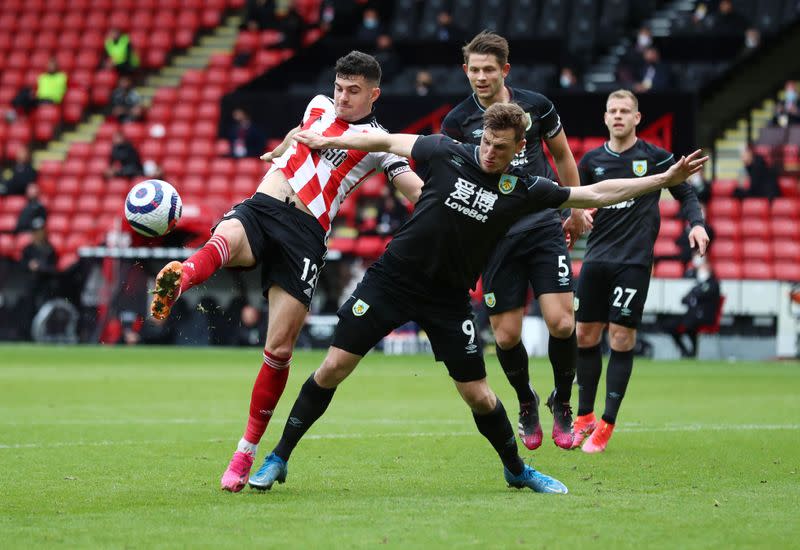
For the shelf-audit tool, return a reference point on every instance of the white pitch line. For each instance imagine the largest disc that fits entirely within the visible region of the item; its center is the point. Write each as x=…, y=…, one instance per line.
x=642, y=429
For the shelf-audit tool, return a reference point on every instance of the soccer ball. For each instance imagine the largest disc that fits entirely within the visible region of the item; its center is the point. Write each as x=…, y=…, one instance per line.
x=153, y=208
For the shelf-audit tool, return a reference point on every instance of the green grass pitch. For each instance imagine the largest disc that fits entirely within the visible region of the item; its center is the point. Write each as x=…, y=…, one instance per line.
x=112, y=447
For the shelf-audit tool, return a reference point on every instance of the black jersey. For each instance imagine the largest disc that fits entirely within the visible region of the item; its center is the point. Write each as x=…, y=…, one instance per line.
x=626, y=232
x=463, y=212
x=465, y=123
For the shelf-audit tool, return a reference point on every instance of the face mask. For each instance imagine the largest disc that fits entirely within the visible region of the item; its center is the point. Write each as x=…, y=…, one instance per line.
x=703, y=275
x=791, y=96
x=697, y=261
x=644, y=40
x=565, y=81
x=370, y=23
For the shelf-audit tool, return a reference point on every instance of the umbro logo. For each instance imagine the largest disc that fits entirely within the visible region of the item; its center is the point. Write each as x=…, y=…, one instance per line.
x=599, y=171
x=477, y=133
x=295, y=422
x=458, y=161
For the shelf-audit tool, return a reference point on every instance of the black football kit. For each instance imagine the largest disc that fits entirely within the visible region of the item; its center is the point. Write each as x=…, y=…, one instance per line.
x=534, y=251
x=435, y=258
x=619, y=255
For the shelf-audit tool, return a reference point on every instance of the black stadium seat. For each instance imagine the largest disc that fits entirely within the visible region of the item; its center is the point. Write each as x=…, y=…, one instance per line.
x=768, y=15
x=426, y=29
x=552, y=19
x=493, y=15
x=463, y=12
x=521, y=19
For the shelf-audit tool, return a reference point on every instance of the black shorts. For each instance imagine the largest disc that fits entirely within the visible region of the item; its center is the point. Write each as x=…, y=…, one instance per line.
x=287, y=242
x=538, y=257
x=611, y=292
x=386, y=299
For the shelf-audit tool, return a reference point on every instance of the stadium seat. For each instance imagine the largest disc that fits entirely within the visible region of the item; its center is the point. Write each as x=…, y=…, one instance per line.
x=725, y=249
x=669, y=208
x=789, y=186
x=728, y=270
x=722, y=207
x=786, y=228
x=757, y=270
x=369, y=246
x=669, y=269
x=757, y=250
x=373, y=187
x=783, y=207
x=756, y=228
x=755, y=208
x=666, y=248
x=671, y=229
x=343, y=245
x=786, y=250
x=787, y=271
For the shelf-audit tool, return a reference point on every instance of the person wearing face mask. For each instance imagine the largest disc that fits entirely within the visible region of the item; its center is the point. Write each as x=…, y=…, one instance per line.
x=702, y=302
x=370, y=27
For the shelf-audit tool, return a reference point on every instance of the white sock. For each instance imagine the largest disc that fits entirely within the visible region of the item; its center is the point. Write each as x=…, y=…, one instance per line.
x=247, y=447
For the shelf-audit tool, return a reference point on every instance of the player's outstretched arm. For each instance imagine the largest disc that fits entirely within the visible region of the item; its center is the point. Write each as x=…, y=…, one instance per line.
x=612, y=191
x=281, y=148
x=399, y=144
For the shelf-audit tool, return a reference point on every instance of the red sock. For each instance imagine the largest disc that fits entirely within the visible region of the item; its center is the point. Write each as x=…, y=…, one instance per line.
x=267, y=391
x=202, y=264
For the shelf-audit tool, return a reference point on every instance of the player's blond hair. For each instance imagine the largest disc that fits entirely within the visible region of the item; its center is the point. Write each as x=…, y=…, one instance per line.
x=624, y=94
x=487, y=43
x=502, y=116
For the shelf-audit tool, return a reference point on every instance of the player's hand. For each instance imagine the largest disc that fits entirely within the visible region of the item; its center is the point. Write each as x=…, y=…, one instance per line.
x=699, y=239
x=579, y=222
x=268, y=157
x=685, y=167
x=311, y=139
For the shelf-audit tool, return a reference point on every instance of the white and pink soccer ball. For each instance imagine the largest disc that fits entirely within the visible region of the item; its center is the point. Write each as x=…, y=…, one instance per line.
x=153, y=208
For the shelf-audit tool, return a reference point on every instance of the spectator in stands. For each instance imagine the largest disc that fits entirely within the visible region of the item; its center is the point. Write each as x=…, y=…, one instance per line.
x=289, y=23
x=250, y=331
x=33, y=212
x=702, y=303
x=15, y=180
x=446, y=31
x=728, y=21
x=423, y=83
x=702, y=188
x=120, y=52
x=259, y=14
x=246, y=139
x=567, y=80
x=39, y=263
x=752, y=39
x=387, y=57
x=126, y=104
x=125, y=160
x=391, y=214
x=51, y=84
x=370, y=27
x=787, y=111
x=763, y=180
x=655, y=75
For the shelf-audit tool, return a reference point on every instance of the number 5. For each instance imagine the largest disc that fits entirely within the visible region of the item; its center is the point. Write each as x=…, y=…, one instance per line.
x=563, y=268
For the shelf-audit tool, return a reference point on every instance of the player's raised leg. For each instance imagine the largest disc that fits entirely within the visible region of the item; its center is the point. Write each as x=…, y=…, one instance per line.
x=492, y=422
x=228, y=246
x=620, y=366
x=286, y=318
x=513, y=357
x=562, y=349
x=590, y=366
x=314, y=398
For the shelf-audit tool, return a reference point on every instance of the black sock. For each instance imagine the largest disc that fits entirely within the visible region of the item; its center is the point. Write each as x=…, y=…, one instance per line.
x=309, y=406
x=515, y=364
x=590, y=365
x=620, y=365
x=563, y=354
x=496, y=427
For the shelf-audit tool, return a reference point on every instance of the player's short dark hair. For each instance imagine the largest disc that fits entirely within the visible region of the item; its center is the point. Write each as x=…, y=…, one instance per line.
x=625, y=94
x=359, y=64
x=487, y=43
x=504, y=116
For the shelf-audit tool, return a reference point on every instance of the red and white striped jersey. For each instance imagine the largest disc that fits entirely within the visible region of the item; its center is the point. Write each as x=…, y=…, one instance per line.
x=323, y=179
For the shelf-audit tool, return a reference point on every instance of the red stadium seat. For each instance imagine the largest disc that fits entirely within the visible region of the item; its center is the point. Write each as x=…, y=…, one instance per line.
x=198, y=166
x=247, y=41
x=205, y=129
x=786, y=250
x=757, y=270
x=14, y=204
x=184, y=38
x=785, y=208
x=369, y=246
x=201, y=148
x=179, y=130
x=725, y=249
x=756, y=228
x=722, y=207
x=669, y=269
x=758, y=250
x=343, y=245
x=217, y=185
x=58, y=223
x=44, y=131
x=93, y=185
x=755, y=208
x=176, y=149
x=666, y=248
x=373, y=187
x=789, y=186
x=728, y=270
x=787, y=271
x=165, y=96
x=222, y=147
x=669, y=208
x=62, y=204
x=671, y=229
x=74, y=167
x=85, y=223
x=785, y=228
x=7, y=222
x=224, y=167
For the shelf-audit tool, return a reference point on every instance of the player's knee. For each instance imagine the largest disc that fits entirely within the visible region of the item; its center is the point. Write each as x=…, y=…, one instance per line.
x=587, y=336
x=281, y=349
x=331, y=373
x=561, y=326
x=480, y=399
x=233, y=232
x=622, y=339
x=507, y=335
